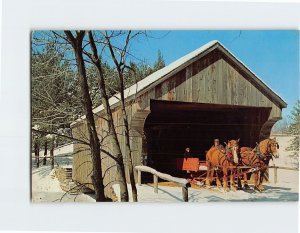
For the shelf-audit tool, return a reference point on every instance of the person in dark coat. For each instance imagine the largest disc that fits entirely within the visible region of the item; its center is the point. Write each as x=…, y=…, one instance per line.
x=187, y=153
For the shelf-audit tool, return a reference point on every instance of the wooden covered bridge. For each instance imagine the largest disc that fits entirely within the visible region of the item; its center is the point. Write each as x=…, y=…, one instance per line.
x=204, y=95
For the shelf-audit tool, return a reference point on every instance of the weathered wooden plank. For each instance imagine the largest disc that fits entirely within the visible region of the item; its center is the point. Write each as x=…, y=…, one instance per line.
x=208, y=86
x=214, y=74
x=180, y=91
x=243, y=91
x=158, y=92
x=230, y=80
x=189, y=84
x=165, y=90
x=201, y=87
x=172, y=90
x=219, y=83
x=236, y=89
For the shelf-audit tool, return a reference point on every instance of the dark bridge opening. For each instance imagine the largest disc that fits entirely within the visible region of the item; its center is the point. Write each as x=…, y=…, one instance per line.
x=173, y=126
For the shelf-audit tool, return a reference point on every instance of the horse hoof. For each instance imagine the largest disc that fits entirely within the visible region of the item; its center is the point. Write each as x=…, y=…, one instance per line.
x=246, y=186
x=239, y=188
x=220, y=190
x=233, y=188
x=257, y=189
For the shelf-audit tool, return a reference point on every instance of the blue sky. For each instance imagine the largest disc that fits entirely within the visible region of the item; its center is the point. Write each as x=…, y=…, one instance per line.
x=272, y=55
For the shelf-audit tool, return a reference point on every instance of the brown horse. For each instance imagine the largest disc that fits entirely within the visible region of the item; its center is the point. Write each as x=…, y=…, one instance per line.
x=258, y=158
x=223, y=162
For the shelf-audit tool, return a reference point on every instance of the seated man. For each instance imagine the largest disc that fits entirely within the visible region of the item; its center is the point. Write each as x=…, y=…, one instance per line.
x=218, y=146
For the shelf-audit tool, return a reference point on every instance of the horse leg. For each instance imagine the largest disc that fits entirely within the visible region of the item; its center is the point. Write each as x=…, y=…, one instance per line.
x=208, y=177
x=255, y=176
x=239, y=182
x=256, y=180
x=225, y=180
x=218, y=175
x=232, y=176
x=261, y=179
x=245, y=181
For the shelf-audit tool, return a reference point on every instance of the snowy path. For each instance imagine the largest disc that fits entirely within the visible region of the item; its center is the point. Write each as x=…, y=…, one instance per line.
x=285, y=190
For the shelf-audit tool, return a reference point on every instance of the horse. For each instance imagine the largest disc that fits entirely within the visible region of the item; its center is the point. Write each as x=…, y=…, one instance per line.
x=224, y=162
x=258, y=158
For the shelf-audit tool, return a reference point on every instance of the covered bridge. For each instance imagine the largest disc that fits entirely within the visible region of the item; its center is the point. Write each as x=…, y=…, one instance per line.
x=204, y=95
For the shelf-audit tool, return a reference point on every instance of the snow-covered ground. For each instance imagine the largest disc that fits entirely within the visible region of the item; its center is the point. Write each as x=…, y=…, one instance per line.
x=45, y=188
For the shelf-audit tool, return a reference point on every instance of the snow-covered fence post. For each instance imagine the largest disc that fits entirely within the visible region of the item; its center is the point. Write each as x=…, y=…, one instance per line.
x=284, y=168
x=275, y=175
x=183, y=183
x=139, y=177
x=155, y=183
x=185, y=194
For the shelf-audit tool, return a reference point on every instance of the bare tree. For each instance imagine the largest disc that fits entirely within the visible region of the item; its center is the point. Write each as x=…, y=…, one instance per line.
x=109, y=119
x=120, y=66
x=76, y=43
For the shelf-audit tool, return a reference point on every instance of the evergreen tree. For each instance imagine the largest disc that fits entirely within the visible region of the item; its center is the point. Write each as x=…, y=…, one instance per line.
x=294, y=129
x=55, y=99
x=160, y=62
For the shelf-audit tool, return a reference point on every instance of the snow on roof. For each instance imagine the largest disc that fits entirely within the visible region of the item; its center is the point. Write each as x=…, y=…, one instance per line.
x=158, y=76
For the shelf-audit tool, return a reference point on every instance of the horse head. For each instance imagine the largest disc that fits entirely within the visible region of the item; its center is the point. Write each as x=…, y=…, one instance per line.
x=269, y=147
x=233, y=147
x=273, y=148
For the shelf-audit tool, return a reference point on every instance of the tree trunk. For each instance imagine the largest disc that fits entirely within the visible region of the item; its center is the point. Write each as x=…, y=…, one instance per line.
x=111, y=127
x=52, y=153
x=45, y=153
x=37, y=153
x=128, y=148
x=97, y=178
x=116, y=145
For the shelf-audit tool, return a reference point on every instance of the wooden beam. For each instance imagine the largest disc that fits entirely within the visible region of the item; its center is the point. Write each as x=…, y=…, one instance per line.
x=139, y=178
x=155, y=183
x=185, y=195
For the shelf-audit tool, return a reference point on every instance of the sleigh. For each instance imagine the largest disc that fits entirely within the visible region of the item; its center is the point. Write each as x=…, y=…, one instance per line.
x=194, y=168
x=190, y=164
